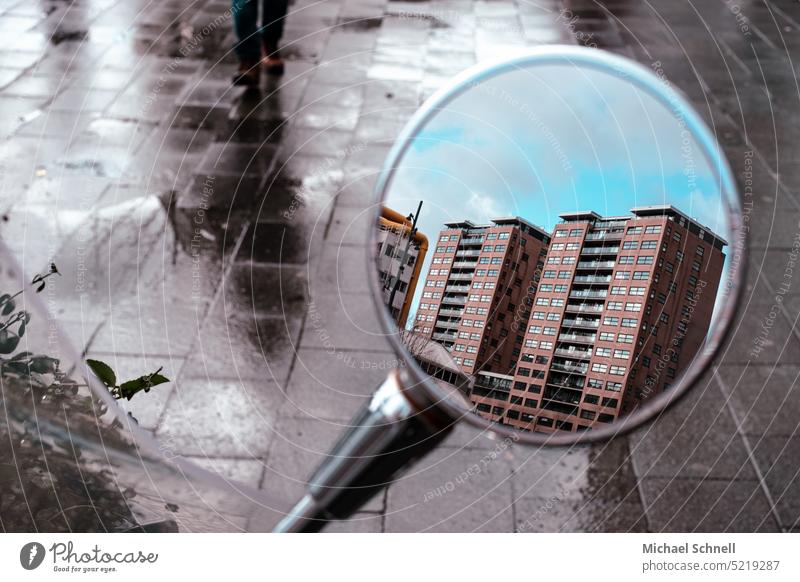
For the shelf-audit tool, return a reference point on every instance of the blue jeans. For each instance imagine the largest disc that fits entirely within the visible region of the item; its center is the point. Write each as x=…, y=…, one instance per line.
x=250, y=35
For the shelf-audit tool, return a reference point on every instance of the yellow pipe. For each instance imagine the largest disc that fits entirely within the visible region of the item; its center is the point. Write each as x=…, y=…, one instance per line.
x=393, y=219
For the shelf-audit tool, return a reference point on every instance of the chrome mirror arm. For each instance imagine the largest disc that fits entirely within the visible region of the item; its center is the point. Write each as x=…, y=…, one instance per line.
x=386, y=436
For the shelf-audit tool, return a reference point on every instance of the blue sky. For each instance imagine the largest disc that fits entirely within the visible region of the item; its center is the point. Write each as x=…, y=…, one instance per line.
x=541, y=141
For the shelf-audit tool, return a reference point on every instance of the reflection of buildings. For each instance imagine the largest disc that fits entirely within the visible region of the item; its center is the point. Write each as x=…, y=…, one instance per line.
x=400, y=254
x=477, y=294
x=436, y=361
x=621, y=309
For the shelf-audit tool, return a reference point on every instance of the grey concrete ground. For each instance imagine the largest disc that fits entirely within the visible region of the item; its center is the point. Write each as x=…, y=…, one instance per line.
x=219, y=234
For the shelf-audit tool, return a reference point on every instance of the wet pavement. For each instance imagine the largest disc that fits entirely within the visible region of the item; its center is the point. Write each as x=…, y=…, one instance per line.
x=220, y=233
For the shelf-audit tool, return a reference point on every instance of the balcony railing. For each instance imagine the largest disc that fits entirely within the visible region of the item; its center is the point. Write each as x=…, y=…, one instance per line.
x=467, y=253
x=454, y=300
x=598, y=251
x=592, y=279
x=589, y=294
x=590, y=323
x=575, y=337
x=464, y=276
x=447, y=324
x=573, y=353
x=570, y=368
x=604, y=235
x=566, y=384
x=585, y=308
x=475, y=240
x=451, y=312
x=596, y=265
x=464, y=264
x=457, y=289
x=444, y=337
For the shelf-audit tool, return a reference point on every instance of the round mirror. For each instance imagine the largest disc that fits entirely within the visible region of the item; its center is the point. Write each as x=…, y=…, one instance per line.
x=559, y=246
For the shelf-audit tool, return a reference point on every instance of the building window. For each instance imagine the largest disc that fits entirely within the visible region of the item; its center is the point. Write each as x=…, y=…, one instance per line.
x=653, y=229
x=644, y=260
x=617, y=370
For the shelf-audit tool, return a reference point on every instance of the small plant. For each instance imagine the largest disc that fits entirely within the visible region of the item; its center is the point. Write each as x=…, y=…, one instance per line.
x=127, y=389
x=44, y=370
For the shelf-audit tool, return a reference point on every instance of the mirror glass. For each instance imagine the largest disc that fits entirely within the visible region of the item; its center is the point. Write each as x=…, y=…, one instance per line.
x=553, y=246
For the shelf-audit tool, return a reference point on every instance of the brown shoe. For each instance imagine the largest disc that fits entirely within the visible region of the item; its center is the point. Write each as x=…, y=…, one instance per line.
x=272, y=61
x=273, y=65
x=249, y=73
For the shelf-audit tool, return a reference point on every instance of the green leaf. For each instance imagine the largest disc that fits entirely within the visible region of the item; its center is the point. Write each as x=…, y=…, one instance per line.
x=8, y=306
x=103, y=371
x=8, y=341
x=157, y=379
x=22, y=356
x=21, y=330
x=132, y=387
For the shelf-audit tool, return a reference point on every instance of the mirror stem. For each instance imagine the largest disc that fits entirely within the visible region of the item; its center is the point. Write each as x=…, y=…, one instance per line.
x=386, y=436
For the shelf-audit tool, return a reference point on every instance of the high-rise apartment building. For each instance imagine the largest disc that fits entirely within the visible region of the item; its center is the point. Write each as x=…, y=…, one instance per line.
x=479, y=290
x=623, y=305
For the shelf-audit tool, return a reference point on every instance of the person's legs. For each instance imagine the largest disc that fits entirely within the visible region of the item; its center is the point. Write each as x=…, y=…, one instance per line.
x=245, y=24
x=248, y=45
x=274, y=13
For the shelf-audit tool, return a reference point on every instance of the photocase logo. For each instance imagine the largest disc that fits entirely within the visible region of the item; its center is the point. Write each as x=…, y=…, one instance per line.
x=31, y=555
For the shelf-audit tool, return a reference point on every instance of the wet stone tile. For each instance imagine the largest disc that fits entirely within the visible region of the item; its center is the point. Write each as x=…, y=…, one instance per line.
x=323, y=116
x=151, y=325
x=777, y=459
x=600, y=474
x=444, y=492
x=274, y=242
x=344, y=322
x=696, y=438
x=237, y=344
x=565, y=515
x=334, y=385
x=244, y=471
x=279, y=291
x=209, y=417
x=764, y=397
x=695, y=505
x=221, y=193
x=231, y=159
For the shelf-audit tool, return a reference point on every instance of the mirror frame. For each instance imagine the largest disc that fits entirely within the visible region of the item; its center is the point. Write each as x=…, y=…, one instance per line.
x=662, y=91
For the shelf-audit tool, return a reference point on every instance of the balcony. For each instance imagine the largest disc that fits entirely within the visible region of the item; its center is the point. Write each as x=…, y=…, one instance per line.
x=447, y=324
x=464, y=276
x=579, y=338
x=464, y=264
x=457, y=289
x=475, y=240
x=597, y=251
x=589, y=294
x=450, y=312
x=444, y=337
x=604, y=235
x=454, y=300
x=591, y=279
x=570, y=368
x=585, y=308
x=594, y=265
x=573, y=385
x=467, y=253
x=573, y=353
x=587, y=323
